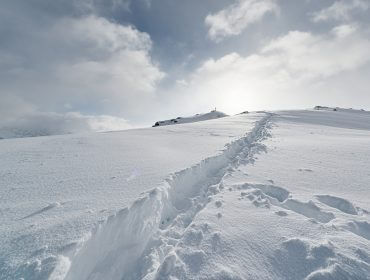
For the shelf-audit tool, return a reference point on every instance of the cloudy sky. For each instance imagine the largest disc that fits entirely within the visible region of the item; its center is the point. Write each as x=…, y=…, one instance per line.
x=79, y=65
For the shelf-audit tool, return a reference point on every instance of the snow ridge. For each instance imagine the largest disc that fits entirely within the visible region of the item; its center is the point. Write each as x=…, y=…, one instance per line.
x=137, y=242
x=196, y=118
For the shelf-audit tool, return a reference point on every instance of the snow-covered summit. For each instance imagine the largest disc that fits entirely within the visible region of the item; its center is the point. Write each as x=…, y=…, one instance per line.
x=196, y=118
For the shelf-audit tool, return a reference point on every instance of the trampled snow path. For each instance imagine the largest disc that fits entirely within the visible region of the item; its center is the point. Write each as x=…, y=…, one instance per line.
x=138, y=242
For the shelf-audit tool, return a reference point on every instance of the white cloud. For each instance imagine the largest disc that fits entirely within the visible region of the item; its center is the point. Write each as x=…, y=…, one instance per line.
x=115, y=69
x=106, y=123
x=49, y=123
x=101, y=35
x=94, y=6
x=284, y=69
x=310, y=56
x=87, y=62
x=12, y=106
x=341, y=10
x=237, y=17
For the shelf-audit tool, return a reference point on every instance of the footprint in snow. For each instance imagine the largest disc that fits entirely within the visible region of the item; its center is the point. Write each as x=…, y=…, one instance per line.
x=281, y=213
x=266, y=195
x=49, y=207
x=308, y=209
x=192, y=258
x=338, y=203
x=215, y=241
x=218, y=203
x=305, y=170
x=297, y=258
x=193, y=237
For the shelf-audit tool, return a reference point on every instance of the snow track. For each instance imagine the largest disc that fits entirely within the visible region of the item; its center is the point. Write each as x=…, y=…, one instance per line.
x=137, y=242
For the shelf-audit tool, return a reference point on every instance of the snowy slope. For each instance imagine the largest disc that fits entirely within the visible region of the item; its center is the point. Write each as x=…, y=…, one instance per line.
x=294, y=207
x=55, y=189
x=196, y=118
x=287, y=198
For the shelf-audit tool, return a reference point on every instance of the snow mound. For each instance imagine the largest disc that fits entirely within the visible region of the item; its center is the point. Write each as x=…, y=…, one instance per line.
x=196, y=118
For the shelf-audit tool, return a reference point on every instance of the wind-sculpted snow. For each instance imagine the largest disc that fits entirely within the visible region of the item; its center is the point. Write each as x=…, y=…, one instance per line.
x=115, y=250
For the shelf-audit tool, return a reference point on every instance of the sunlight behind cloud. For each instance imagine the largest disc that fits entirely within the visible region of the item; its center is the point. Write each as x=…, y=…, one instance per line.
x=286, y=67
